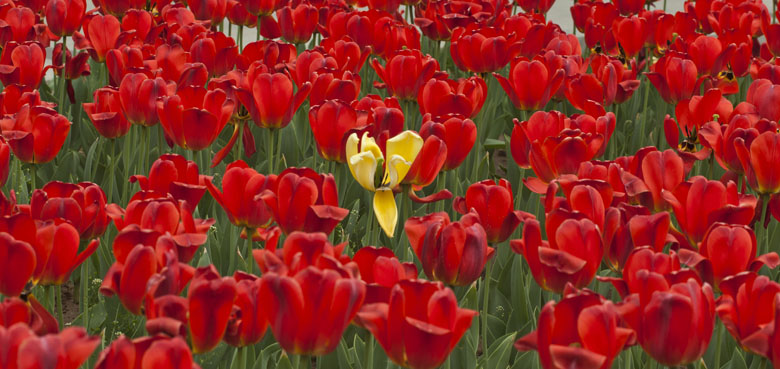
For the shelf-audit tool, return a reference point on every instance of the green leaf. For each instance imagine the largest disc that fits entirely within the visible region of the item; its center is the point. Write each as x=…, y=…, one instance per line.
x=737, y=360
x=284, y=362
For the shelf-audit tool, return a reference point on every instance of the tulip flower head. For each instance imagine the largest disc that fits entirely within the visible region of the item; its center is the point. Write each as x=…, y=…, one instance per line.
x=364, y=157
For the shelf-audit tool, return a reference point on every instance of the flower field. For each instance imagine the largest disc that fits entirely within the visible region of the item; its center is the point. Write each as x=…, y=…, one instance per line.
x=379, y=184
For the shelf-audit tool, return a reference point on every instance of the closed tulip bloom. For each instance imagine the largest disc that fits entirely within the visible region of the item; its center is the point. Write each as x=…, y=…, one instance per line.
x=105, y=113
x=138, y=95
x=271, y=100
x=173, y=174
x=101, y=33
x=673, y=323
x=35, y=134
x=452, y=252
x=381, y=171
x=64, y=17
x=30, y=313
x=210, y=303
x=260, y=7
x=537, y=6
x=147, y=353
x=67, y=349
x=65, y=257
x=297, y=23
x=624, y=232
x=530, y=97
x=208, y=10
x=216, y=51
x=405, y=72
x=21, y=25
x=330, y=122
x=238, y=198
x=81, y=205
x=759, y=161
x=631, y=34
x=647, y=266
x=747, y=308
x=481, y=50
x=128, y=277
x=658, y=171
x=334, y=86
x=674, y=77
x=18, y=263
x=458, y=134
x=441, y=97
x=582, y=330
x=381, y=270
x=306, y=201
x=194, y=116
x=161, y=213
x=420, y=324
x=22, y=64
x=428, y=163
x=494, y=203
x=764, y=95
x=248, y=323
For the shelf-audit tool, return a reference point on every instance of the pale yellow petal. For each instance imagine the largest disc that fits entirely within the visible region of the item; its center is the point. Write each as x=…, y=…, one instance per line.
x=385, y=210
x=363, y=167
x=397, y=168
x=368, y=144
x=406, y=144
x=351, y=150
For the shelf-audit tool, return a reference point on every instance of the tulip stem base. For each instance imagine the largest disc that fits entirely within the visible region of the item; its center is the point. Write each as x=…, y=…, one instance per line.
x=485, y=307
x=369, y=352
x=59, y=306
x=33, y=177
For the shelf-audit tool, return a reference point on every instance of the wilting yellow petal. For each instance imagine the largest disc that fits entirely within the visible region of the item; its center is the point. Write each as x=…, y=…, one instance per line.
x=397, y=168
x=368, y=144
x=363, y=167
x=351, y=150
x=385, y=210
x=406, y=144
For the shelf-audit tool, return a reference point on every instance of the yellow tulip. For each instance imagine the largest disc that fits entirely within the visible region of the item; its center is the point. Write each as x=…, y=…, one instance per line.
x=365, y=158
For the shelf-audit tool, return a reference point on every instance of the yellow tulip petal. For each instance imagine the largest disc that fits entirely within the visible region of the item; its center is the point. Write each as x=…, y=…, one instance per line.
x=351, y=150
x=385, y=210
x=406, y=144
x=397, y=168
x=368, y=144
x=363, y=168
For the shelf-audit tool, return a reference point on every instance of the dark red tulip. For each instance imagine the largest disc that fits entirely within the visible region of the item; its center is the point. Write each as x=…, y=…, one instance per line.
x=410, y=328
x=147, y=353
x=722, y=139
x=35, y=134
x=494, y=203
x=67, y=349
x=575, y=246
x=481, y=50
x=30, y=313
x=208, y=10
x=305, y=200
x=237, y=14
x=631, y=33
x=452, y=252
x=269, y=52
x=194, y=117
x=82, y=205
x=714, y=202
x=260, y=7
x=534, y=96
x=64, y=17
x=311, y=297
x=105, y=113
x=657, y=171
x=248, y=323
x=381, y=270
x=271, y=100
x=538, y=6
x=673, y=323
x=619, y=79
x=18, y=263
x=330, y=122
x=629, y=7
x=441, y=97
x=428, y=162
x=297, y=23
x=674, y=77
x=727, y=250
x=74, y=68
x=216, y=51
x=210, y=302
x=238, y=198
x=22, y=64
x=19, y=25
x=562, y=340
x=125, y=60
x=128, y=278
x=138, y=95
x=334, y=86
x=747, y=309
x=5, y=161
x=758, y=161
x=65, y=256
x=161, y=213
x=405, y=72
x=764, y=95
x=459, y=136
x=623, y=233
x=175, y=175
x=646, y=266
x=101, y=33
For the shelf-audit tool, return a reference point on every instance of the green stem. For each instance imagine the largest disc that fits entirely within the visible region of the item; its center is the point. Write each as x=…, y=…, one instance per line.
x=406, y=205
x=61, y=92
x=240, y=143
x=248, y=256
x=111, y=169
x=278, y=153
x=269, y=153
x=232, y=257
x=486, y=305
x=718, y=346
x=240, y=38
x=763, y=363
x=369, y=352
x=241, y=357
x=60, y=319
x=33, y=177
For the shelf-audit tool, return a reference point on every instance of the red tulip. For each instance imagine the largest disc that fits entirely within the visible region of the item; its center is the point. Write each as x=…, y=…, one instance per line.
x=67, y=349
x=119, y=8
x=305, y=200
x=619, y=79
x=260, y=7
x=534, y=96
x=622, y=236
x=105, y=113
x=173, y=174
x=657, y=171
x=18, y=263
x=5, y=161
x=138, y=95
x=330, y=122
x=82, y=205
x=35, y=134
x=405, y=72
x=64, y=17
x=311, y=296
x=764, y=95
x=481, y=50
x=269, y=52
x=194, y=116
x=22, y=64
x=759, y=161
x=161, y=213
x=334, y=86
x=381, y=270
x=128, y=278
x=629, y=7
x=692, y=114
x=646, y=266
x=722, y=139
x=101, y=33
x=30, y=313
x=208, y=10
x=125, y=60
x=15, y=96
x=459, y=136
x=582, y=330
x=698, y=203
x=428, y=162
x=419, y=325
x=674, y=77
x=454, y=253
x=441, y=97
x=210, y=303
x=65, y=256
x=673, y=323
x=240, y=187
x=747, y=308
x=248, y=323
x=271, y=100
x=297, y=23
x=238, y=14
x=216, y=51
x=147, y=353
x=727, y=250
x=538, y=6
x=494, y=203
x=348, y=54
x=631, y=33
x=19, y=25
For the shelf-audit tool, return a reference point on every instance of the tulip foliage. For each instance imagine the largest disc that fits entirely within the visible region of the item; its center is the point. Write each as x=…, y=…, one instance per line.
x=364, y=184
